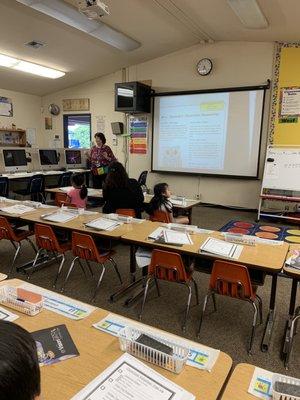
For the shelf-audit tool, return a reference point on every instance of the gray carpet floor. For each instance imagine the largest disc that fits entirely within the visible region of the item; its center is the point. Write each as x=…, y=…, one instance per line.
x=227, y=329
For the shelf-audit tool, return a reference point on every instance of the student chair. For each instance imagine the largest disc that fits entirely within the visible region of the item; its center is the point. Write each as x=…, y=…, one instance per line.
x=47, y=241
x=292, y=333
x=65, y=179
x=142, y=180
x=168, y=266
x=233, y=280
x=128, y=212
x=61, y=199
x=160, y=216
x=15, y=236
x=4, y=186
x=84, y=248
x=35, y=188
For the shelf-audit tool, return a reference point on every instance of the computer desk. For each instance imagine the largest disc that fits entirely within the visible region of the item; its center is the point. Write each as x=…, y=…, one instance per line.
x=22, y=175
x=187, y=206
x=238, y=383
x=263, y=257
x=98, y=350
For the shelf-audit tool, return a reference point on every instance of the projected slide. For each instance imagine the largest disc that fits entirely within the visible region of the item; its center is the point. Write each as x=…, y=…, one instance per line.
x=211, y=133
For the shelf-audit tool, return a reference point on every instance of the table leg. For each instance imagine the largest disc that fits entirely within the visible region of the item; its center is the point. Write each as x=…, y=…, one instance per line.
x=271, y=317
x=42, y=262
x=286, y=340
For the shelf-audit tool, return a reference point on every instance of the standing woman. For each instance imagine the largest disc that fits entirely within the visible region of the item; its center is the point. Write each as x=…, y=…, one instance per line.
x=100, y=157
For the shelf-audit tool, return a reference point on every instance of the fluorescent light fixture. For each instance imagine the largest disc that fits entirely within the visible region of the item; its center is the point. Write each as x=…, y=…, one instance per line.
x=249, y=13
x=67, y=14
x=31, y=68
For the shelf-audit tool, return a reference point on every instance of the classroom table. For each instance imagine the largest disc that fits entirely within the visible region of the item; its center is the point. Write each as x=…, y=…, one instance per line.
x=294, y=274
x=186, y=207
x=238, y=383
x=98, y=350
x=267, y=258
x=28, y=174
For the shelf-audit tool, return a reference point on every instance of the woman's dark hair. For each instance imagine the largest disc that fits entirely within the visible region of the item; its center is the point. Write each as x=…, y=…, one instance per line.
x=101, y=136
x=78, y=181
x=19, y=366
x=159, y=199
x=117, y=176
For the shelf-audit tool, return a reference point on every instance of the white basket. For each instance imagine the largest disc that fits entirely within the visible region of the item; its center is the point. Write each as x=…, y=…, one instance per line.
x=174, y=362
x=9, y=297
x=284, y=379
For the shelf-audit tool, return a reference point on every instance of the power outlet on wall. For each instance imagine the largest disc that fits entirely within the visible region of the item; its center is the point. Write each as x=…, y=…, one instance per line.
x=197, y=196
x=115, y=141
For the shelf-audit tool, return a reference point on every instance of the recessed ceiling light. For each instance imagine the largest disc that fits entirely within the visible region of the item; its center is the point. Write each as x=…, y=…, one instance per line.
x=249, y=13
x=31, y=68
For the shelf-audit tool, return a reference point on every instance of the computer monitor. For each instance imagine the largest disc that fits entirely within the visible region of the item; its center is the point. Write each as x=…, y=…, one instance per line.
x=48, y=159
x=73, y=158
x=15, y=160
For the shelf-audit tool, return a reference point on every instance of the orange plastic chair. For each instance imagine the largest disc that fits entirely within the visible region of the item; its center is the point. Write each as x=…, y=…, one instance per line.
x=84, y=248
x=15, y=236
x=168, y=266
x=129, y=212
x=61, y=199
x=160, y=216
x=233, y=280
x=47, y=241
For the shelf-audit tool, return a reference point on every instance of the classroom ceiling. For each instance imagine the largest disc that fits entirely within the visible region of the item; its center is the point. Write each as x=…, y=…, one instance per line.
x=161, y=26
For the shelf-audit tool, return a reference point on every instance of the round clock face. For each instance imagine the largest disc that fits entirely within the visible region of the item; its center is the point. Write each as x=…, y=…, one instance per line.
x=204, y=66
x=54, y=109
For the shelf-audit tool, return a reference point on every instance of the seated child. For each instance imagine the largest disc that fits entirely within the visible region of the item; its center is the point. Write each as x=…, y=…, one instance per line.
x=161, y=201
x=78, y=193
x=19, y=367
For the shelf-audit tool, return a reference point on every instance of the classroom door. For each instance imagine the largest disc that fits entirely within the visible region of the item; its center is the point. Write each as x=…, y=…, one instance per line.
x=77, y=131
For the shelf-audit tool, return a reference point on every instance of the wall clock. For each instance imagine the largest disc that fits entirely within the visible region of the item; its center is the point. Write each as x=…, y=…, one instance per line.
x=54, y=109
x=204, y=66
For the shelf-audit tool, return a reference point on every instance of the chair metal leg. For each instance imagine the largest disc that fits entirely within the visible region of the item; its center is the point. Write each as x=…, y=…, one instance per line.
x=69, y=272
x=145, y=296
x=187, y=307
x=116, y=269
x=291, y=337
x=157, y=287
x=202, y=313
x=59, y=271
x=34, y=262
x=253, y=327
x=32, y=245
x=196, y=290
x=260, y=309
x=214, y=300
x=99, y=281
x=89, y=267
x=18, y=248
x=82, y=267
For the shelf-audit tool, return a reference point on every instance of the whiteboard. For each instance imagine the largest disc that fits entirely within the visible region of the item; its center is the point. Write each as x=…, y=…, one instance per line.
x=282, y=168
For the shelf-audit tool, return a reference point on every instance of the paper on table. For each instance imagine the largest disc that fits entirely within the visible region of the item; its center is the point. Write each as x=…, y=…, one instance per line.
x=17, y=209
x=157, y=233
x=176, y=237
x=225, y=249
x=200, y=356
x=103, y=224
x=127, y=375
x=7, y=315
x=124, y=218
x=60, y=304
x=261, y=384
x=59, y=216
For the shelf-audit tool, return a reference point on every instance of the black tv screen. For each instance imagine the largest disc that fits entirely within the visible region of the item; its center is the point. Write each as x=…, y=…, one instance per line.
x=14, y=158
x=48, y=157
x=132, y=97
x=125, y=97
x=73, y=157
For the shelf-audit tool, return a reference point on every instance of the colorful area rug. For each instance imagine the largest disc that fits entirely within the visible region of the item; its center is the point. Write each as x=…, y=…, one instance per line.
x=264, y=231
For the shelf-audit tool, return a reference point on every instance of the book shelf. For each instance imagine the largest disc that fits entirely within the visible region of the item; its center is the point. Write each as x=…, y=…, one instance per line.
x=12, y=137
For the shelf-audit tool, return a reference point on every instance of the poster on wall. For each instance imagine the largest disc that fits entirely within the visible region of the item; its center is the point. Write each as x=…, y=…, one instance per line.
x=6, y=107
x=76, y=104
x=289, y=102
x=48, y=123
x=138, y=129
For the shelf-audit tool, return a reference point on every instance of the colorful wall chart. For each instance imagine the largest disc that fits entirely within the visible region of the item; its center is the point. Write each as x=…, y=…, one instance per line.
x=138, y=128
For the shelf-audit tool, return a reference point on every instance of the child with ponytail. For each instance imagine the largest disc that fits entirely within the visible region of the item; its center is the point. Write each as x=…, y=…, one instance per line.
x=78, y=193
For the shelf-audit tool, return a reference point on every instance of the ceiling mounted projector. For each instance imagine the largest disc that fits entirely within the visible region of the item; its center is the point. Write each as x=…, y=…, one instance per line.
x=69, y=15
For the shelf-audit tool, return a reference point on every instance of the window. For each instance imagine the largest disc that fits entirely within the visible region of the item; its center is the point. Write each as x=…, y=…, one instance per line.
x=77, y=131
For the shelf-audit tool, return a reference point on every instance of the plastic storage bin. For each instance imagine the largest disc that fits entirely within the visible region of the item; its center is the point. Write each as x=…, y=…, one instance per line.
x=175, y=362
x=9, y=296
x=286, y=380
